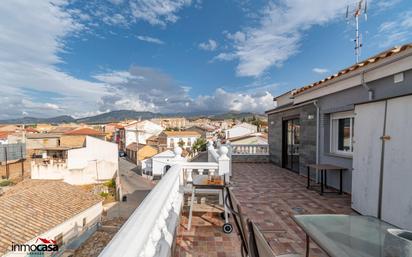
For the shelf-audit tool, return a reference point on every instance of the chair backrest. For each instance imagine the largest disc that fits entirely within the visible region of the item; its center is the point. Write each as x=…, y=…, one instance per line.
x=258, y=246
x=238, y=217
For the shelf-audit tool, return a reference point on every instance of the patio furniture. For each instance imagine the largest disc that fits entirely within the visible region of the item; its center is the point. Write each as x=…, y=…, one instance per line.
x=215, y=183
x=324, y=168
x=258, y=246
x=346, y=235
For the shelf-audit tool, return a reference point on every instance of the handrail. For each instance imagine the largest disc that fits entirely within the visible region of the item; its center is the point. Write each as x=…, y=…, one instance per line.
x=147, y=230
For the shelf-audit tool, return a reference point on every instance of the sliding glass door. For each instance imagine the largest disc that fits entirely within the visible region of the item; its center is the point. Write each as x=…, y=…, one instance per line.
x=291, y=142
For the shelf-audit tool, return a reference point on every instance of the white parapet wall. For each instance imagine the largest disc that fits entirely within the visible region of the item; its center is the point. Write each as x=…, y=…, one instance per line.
x=151, y=229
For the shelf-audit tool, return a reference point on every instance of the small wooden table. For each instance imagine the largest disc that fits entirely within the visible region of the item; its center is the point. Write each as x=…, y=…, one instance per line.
x=324, y=168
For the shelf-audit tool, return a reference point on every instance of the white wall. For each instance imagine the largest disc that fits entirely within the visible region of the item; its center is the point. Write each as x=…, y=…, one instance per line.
x=71, y=228
x=240, y=130
x=94, y=163
x=184, y=139
x=141, y=130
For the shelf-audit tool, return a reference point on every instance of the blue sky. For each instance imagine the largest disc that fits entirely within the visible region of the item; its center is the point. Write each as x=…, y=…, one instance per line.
x=87, y=57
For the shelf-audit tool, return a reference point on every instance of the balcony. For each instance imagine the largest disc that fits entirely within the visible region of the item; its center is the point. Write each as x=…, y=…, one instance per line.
x=268, y=194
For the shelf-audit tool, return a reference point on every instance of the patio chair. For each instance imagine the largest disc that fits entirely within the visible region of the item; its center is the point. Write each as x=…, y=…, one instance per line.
x=235, y=209
x=259, y=246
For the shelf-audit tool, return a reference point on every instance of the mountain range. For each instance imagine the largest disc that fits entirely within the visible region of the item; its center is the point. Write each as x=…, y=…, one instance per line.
x=115, y=116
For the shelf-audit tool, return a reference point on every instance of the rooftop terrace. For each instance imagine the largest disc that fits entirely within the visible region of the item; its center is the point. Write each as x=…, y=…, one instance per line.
x=269, y=196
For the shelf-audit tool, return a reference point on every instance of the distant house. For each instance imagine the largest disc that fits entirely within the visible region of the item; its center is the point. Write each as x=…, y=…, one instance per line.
x=96, y=162
x=171, y=139
x=205, y=131
x=176, y=122
x=239, y=130
x=137, y=153
x=77, y=137
x=251, y=139
x=34, y=211
x=140, y=131
x=159, y=164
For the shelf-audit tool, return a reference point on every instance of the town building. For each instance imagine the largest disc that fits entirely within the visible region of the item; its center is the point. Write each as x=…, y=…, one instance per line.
x=140, y=131
x=139, y=152
x=341, y=119
x=205, y=131
x=171, y=123
x=241, y=129
x=173, y=139
x=34, y=210
x=77, y=137
x=251, y=139
x=96, y=162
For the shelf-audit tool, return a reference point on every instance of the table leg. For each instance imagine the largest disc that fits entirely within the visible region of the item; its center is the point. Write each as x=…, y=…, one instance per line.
x=307, y=245
x=191, y=208
x=340, y=181
x=308, y=186
x=321, y=182
x=326, y=178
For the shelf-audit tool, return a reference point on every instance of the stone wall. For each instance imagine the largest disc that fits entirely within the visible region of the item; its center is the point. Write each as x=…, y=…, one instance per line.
x=307, y=135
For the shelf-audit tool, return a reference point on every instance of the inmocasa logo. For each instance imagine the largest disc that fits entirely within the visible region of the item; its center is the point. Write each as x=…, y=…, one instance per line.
x=41, y=245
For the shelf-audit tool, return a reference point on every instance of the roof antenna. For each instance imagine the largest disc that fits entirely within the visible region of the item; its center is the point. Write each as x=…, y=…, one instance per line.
x=361, y=6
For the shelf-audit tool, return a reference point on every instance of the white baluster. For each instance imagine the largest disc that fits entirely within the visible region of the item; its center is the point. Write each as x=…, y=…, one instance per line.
x=200, y=172
x=189, y=175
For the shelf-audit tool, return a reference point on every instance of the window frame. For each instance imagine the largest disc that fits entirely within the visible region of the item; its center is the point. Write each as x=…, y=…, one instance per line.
x=333, y=133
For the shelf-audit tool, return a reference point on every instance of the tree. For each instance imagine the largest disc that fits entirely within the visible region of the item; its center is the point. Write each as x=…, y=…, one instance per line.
x=181, y=143
x=199, y=145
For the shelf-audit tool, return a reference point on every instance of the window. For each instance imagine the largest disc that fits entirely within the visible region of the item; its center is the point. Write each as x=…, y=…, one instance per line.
x=172, y=143
x=342, y=133
x=189, y=142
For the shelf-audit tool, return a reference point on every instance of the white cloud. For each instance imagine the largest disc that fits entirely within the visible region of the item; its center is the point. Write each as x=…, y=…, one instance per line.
x=396, y=31
x=158, y=92
x=34, y=34
x=150, y=40
x=157, y=12
x=210, y=45
x=320, y=70
x=278, y=35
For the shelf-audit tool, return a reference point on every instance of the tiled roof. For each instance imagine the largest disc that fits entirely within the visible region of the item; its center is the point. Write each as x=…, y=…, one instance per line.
x=61, y=129
x=181, y=133
x=31, y=130
x=33, y=207
x=371, y=60
x=84, y=131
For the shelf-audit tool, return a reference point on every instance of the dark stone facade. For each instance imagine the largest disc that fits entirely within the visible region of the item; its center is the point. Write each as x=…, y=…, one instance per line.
x=307, y=148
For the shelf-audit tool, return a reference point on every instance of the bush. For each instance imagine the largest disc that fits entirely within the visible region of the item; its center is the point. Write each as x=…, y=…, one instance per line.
x=4, y=183
x=110, y=183
x=104, y=194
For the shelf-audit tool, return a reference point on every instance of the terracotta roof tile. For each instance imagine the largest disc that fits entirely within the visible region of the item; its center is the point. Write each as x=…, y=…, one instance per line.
x=84, y=131
x=373, y=59
x=33, y=207
x=181, y=133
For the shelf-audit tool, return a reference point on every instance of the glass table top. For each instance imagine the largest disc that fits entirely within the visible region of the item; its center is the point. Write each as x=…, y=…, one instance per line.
x=348, y=236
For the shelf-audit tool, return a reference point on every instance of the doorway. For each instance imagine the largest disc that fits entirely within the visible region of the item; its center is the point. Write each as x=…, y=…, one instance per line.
x=291, y=143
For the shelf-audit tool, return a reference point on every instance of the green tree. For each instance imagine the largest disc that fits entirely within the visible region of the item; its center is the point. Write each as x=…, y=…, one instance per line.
x=199, y=145
x=181, y=143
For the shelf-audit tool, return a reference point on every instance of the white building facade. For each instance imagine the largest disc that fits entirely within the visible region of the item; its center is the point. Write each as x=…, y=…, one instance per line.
x=139, y=132
x=95, y=163
x=241, y=129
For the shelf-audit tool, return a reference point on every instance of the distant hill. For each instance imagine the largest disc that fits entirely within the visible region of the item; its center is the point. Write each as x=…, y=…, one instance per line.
x=114, y=116
x=32, y=120
x=120, y=115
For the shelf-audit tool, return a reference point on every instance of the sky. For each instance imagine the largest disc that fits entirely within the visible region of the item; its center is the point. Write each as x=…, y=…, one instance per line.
x=82, y=58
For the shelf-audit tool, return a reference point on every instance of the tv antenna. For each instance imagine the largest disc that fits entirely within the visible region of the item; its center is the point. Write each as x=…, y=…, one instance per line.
x=359, y=8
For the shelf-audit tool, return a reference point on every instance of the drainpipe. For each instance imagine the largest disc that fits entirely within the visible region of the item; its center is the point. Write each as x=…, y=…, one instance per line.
x=317, y=136
x=370, y=91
